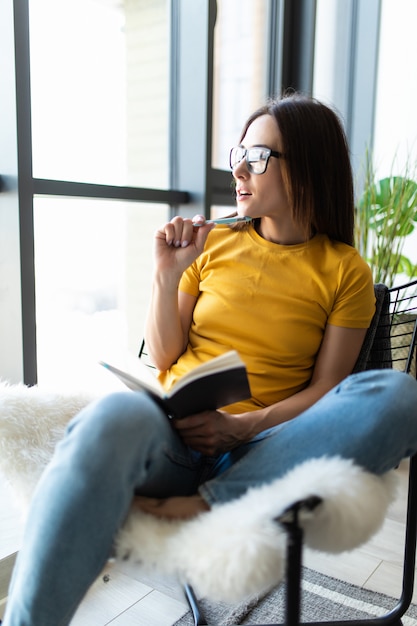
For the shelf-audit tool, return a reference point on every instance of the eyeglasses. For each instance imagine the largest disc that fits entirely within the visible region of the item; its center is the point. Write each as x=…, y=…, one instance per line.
x=257, y=158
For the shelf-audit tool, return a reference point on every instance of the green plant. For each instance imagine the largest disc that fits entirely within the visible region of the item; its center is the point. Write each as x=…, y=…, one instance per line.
x=386, y=214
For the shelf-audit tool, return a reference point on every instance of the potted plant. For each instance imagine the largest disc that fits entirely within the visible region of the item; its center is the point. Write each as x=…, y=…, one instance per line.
x=386, y=214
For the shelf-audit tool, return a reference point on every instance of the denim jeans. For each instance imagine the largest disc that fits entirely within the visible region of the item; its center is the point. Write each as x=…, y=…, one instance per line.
x=124, y=444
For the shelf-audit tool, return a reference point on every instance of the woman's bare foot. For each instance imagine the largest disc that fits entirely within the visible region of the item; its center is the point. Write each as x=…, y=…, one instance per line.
x=179, y=507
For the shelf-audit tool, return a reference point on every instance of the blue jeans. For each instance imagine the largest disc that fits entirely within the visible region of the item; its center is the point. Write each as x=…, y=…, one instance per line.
x=124, y=444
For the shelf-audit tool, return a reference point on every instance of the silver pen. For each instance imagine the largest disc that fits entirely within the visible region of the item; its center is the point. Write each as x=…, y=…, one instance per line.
x=225, y=220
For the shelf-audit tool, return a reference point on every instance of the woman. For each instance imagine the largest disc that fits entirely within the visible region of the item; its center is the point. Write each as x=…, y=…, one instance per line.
x=293, y=297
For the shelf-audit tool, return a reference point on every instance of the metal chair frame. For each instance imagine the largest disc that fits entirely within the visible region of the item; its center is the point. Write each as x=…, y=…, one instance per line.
x=396, y=317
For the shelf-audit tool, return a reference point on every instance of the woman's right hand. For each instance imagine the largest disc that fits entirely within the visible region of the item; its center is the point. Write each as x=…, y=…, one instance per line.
x=178, y=243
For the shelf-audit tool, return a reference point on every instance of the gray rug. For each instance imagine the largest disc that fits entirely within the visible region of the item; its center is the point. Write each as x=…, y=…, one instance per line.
x=323, y=599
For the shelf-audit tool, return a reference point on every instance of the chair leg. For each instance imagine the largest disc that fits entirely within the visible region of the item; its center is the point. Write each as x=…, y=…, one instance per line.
x=198, y=616
x=409, y=548
x=289, y=519
x=293, y=576
x=411, y=536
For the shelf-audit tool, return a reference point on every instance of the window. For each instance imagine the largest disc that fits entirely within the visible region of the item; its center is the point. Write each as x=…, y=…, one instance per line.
x=99, y=94
x=345, y=65
x=93, y=267
x=395, y=117
x=395, y=146
x=99, y=91
x=240, y=70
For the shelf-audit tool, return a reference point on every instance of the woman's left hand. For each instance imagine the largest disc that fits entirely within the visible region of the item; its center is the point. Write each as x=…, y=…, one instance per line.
x=213, y=432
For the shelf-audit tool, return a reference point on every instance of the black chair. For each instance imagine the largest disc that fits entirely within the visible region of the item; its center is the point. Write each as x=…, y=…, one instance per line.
x=390, y=343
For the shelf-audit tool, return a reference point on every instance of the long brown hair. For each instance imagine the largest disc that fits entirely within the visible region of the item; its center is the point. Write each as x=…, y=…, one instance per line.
x=316, y=169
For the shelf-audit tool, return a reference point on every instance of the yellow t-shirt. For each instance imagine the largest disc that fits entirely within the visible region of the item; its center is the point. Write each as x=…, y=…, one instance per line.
x=271, y=303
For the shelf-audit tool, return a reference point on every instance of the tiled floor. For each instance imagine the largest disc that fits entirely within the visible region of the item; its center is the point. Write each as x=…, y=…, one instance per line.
x=122, y=596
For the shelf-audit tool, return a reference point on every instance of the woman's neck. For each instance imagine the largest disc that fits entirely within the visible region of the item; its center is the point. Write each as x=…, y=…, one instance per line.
x=288, y=234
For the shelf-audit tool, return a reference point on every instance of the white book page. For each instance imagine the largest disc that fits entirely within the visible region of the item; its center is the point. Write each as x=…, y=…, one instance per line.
x=133, y=370
x=221, y=363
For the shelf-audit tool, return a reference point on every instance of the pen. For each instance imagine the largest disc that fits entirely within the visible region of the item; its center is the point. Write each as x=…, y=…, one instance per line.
x=225, y=220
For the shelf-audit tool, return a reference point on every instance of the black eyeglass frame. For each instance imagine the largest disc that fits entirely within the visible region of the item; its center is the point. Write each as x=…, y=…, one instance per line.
x=269, y=151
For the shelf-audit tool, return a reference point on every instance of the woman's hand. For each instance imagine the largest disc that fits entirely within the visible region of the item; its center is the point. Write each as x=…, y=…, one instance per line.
x=214, y=432
x=178, y=243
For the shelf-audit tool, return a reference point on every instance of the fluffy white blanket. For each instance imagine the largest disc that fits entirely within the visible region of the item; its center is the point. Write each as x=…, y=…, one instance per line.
x=233, y=551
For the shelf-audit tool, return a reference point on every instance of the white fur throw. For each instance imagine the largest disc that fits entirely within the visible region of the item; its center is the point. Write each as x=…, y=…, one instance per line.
x=233, y=551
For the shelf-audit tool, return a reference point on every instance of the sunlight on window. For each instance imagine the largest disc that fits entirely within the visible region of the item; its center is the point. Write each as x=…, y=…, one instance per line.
x=240, y=70
x=99, y=81
x=92, y=284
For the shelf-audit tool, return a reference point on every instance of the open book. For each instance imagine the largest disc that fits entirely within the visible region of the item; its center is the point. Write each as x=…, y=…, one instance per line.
x=212, y=385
